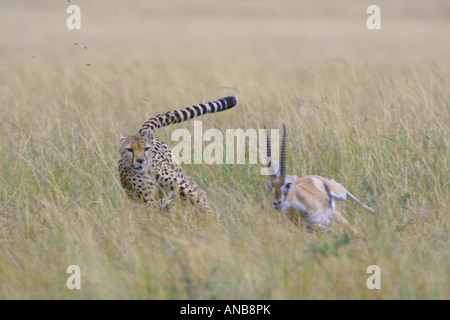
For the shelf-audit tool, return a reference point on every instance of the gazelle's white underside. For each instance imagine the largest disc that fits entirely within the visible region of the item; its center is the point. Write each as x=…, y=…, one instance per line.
x=323, y=220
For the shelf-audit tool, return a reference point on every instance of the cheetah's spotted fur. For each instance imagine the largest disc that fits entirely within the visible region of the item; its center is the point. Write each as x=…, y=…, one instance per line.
x=147, y=171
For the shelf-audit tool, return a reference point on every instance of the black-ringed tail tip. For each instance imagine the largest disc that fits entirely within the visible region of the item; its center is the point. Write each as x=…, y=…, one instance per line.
x=231, y=101
x=177, y=116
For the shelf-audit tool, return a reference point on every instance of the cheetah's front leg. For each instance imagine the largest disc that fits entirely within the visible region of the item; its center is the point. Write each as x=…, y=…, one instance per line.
x=190, y=180
x=177, y=183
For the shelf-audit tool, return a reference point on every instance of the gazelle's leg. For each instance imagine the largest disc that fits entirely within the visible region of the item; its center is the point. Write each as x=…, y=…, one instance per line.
x=337, y=217
x=294, y=216
x=319, y=229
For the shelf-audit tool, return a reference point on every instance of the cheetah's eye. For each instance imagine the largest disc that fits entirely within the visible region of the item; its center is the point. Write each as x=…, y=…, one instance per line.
x=129, y=150
x=146, y=149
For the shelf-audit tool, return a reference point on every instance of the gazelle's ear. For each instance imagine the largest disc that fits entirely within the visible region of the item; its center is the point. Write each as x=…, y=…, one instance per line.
x=274, y=168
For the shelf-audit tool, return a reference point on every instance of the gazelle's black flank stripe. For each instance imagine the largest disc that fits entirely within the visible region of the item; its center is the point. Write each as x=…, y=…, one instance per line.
x=330, y=197
x=177, y=116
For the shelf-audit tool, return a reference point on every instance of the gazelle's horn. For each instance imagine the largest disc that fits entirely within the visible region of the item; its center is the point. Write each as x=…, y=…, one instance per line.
x=268, y=148
x=283, y=153
x=270, y=163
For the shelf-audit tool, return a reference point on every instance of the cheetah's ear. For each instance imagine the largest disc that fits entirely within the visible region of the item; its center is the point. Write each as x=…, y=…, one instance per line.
x=122, y=141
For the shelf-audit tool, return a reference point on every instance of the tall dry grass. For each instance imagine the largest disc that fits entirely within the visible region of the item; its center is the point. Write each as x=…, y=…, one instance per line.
x=369, y=119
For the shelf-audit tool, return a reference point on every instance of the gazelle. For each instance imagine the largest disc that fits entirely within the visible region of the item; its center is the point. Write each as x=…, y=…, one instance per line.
x=309, y=200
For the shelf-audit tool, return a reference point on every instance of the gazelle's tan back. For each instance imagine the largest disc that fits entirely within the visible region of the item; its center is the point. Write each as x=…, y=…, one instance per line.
x=311, y=193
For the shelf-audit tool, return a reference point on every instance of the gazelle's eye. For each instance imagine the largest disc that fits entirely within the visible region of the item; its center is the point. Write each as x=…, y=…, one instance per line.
x=288, y=185
x=129, y=150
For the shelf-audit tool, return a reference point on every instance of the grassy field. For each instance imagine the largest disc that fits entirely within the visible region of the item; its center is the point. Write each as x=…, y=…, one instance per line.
x=367, y=108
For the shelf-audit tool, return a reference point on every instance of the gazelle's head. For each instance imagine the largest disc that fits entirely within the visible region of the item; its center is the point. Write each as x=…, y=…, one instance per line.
x=280, y=183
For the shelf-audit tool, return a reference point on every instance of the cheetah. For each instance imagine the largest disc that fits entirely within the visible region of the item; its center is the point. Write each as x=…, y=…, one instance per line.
x=146, y=168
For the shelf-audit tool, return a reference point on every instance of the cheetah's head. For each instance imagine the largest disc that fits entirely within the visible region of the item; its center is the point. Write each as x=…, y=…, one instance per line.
x=135, y=152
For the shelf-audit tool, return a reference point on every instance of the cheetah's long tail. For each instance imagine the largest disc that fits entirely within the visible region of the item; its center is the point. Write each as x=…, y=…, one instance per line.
x=177, y=116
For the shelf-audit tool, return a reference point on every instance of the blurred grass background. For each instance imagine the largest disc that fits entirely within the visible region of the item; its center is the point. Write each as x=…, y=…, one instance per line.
x=367, y=108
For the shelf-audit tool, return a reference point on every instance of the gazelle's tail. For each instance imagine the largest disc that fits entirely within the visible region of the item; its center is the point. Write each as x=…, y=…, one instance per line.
x=360, y=203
